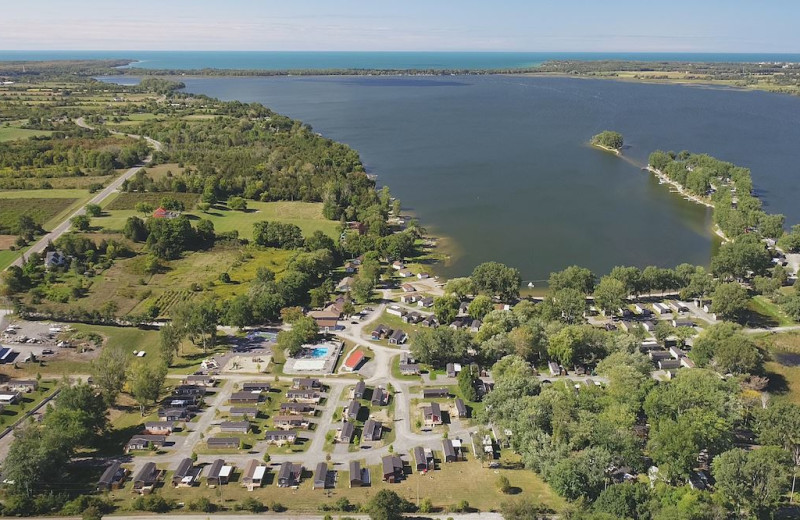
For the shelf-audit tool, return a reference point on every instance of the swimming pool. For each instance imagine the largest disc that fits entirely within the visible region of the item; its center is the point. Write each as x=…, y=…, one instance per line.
x=319, y=352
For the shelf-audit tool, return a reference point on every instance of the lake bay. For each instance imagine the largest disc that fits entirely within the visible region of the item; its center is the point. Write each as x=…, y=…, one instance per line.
x=499, y=165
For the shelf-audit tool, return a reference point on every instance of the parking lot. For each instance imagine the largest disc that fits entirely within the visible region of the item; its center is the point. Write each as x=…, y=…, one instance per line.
x=26, y=338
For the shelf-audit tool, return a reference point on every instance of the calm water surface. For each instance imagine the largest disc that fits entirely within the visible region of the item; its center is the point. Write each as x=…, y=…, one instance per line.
x=499, y=165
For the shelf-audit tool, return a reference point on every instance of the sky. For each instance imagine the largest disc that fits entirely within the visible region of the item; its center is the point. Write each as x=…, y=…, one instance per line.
x=403, y=25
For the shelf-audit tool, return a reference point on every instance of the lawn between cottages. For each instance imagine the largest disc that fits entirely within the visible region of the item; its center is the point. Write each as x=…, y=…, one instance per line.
x=447, y=486
x=783, y=365
x=30, y=400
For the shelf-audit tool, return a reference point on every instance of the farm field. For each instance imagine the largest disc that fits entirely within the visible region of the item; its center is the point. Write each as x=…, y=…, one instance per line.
x=10, y=133
x=47, y=207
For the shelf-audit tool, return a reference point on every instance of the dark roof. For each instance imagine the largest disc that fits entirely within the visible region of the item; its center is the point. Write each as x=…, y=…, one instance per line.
x=372, y=428
x=355, y=470
x=419, y=455
x=285, y=473
x=461, y=407
x=280, y=434
x=360, y=387
x=251, y=385
x=347, y=430
x=447, y=447
x=110, y=475
x=244, y=410
x=234, y=425
x=215, y=468
x=321, y=473
x=222, y=441
x=184, y=467
x=147, y=474
x=435, y=392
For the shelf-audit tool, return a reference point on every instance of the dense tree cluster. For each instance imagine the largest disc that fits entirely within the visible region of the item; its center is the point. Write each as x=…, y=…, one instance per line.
x=609, y=139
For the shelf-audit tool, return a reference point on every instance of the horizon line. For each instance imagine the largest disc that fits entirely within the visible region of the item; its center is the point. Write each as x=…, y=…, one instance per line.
x=449, y=51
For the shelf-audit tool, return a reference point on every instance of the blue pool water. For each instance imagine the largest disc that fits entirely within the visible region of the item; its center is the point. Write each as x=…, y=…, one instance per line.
x=319, y=352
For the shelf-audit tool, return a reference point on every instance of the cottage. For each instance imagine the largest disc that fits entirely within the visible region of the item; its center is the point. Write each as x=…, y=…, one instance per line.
x=297, y=409
x=460, y=409
x=432, y=415
x=253, y=475
x=452, y=369
x=359, y=389
x=435, y=393
x=345, y=284
x=326, y=320
x=449, y=451
x=677, y=352
x=666, y=364
x=188, y=402
x=243, y=411
x=113, y=477
x=380, y=332
x=405, y=273
x=649, y=326
x=280, y=437
x=173, y=414
x=682, y=323
x=398, y=337
x=352, y=409
x=426, y=302
x=353, y=361
x=189, y=390
x=409, y=297
x=423, y=276
x=397, y=265
x=395, y=310
x=223, y=443
x=475, y=326
x=304, y=396
x=372, y=431
x=661, y=308
x=392, y=468
x=256, y=386
x=199, y=379
x=305, y=383
x=235, y=427
x=289, y=474
x=412, y=317
x=245, y=398
x=145, y=481
x=346, y=433
x=145, y=442
x=430, y=321
x=380, y=397
x=640, y=309
x=460, y=323
x=320, y=476
x=185, y=474
x=9, y=398
x=355, y=479
x=408, y=288
x=409, y=369
x=22, y=385
x=686, y=362
x=288, y=422
x=159, y=427
x=421, y=459
x=164, y=213
x=218, y=473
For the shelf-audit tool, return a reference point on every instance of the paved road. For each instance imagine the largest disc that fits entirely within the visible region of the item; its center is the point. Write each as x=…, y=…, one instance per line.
x=102, y=195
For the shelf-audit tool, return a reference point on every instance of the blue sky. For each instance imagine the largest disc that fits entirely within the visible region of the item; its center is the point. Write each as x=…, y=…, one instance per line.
x=436, y=25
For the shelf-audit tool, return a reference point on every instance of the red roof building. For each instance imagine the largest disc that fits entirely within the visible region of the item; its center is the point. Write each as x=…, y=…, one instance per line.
x=353, y=361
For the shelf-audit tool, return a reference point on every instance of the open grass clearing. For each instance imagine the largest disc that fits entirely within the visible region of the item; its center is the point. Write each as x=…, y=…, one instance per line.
x=10, y=133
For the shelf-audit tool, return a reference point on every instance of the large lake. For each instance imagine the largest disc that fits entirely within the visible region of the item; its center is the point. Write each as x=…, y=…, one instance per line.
x=499, y=166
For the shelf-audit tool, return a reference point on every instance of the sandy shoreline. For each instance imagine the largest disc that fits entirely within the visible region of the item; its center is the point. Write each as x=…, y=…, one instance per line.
x=607, y=149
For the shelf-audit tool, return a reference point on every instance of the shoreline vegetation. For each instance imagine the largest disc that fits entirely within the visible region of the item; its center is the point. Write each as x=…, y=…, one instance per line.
x=776, y=77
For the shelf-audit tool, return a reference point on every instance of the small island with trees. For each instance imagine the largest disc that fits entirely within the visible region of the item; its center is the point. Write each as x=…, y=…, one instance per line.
x=608, y=140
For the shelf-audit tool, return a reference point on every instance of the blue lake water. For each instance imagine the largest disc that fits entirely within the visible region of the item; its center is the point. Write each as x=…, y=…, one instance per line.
x=297, y=60
x=499, y=165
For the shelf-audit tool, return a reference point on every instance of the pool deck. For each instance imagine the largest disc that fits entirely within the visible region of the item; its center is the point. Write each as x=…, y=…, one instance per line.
x=315, y=365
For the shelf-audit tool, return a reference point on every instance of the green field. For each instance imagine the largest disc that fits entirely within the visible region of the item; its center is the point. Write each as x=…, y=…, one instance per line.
x=306, y=215
x=128, y=200
x=10, y=133
x=42, y=210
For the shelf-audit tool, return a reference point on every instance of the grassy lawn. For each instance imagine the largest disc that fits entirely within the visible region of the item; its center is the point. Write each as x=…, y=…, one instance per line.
x=783, y=366
x=446, y=486
x=10, y=133
x=14, y=412
x=7, y=256
x=394, y=323
x=768, y=312
x=306, y=215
